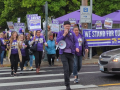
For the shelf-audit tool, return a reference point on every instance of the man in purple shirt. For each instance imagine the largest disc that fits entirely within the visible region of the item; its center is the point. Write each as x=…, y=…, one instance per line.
x=83, y=47
x=67, y=54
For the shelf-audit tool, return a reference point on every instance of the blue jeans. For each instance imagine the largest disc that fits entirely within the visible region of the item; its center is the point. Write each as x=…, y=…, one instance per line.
x=77, y=64
x=31, y=61
x=2, y=56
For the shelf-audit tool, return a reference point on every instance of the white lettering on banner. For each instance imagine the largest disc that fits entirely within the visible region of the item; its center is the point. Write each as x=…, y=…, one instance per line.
x=117, y=32
x=87, y=34
x=98, y=33
x=110, y=33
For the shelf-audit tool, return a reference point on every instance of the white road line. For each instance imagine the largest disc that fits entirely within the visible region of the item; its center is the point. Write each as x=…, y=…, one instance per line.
x=46, y=75
x=62, y=87
x=46, y=67
x=32, y=82
x=22, y=72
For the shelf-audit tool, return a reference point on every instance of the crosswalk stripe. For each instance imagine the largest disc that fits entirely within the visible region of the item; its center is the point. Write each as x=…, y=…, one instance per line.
x=22, y=72
x=45, y=75
x=32, y=82
x=20, y=69
x=61, y=87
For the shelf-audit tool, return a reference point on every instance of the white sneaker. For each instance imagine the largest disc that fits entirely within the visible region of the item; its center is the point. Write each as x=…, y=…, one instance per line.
x=57, y=59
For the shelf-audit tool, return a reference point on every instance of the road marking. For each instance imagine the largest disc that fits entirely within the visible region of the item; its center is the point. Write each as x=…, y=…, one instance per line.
x=114, y=84
x=62, y=87
x=47, y=75
x=32, y=82
x=20, y=72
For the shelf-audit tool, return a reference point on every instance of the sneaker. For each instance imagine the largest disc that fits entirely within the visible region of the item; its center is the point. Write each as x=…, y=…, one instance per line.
x=57, y=60
x=76, y=81
x=12, y=73
x=24, y=68
x=15, y=74
x=21, y=72
x=68, y=88
x=31, y=68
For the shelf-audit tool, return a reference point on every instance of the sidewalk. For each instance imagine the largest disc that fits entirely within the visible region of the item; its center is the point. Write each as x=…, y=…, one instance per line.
x=94, y=60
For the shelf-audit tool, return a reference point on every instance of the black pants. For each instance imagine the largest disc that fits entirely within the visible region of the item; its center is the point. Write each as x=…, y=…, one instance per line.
x=38, y=57
x=67, y=61
x=57, y=53
x=14, y=58
x=23, y=62
x=51, y=56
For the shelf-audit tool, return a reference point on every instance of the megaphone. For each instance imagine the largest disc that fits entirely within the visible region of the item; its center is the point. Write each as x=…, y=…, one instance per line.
x=62, y=44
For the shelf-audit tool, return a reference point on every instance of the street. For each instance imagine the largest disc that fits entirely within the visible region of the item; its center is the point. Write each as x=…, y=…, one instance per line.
x=52, y=78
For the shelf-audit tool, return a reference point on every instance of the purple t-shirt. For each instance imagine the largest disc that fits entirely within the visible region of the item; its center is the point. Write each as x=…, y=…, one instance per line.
x=14, y=47
x=39, y=41
x=79, y=38
x=23, y=50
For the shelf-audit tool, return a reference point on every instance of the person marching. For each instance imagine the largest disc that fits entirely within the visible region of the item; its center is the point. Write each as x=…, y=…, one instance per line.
x=83, y=47
x=30, y=54
x=51, y=51
x=24, y=50
x=14, y=53
x=67, y=54
x=39, y=40
x=3, y=46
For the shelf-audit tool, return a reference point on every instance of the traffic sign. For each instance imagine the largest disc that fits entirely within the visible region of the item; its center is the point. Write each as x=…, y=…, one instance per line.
x=85, y=14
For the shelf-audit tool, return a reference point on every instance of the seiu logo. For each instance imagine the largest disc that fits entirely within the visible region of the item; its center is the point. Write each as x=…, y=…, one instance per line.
x=85, y=9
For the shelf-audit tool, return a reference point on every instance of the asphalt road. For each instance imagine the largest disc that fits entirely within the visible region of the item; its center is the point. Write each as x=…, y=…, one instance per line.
x=51, y=78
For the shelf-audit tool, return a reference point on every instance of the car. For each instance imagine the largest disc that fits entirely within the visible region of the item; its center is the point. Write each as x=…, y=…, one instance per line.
x=109, y=61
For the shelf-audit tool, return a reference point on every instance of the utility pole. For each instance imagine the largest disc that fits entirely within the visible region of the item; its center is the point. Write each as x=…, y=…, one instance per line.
x=84, y=3
x=46, y=29
x=85, y=25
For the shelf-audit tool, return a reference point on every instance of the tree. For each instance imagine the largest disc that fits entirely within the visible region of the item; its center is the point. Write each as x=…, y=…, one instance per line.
x=19, y=8
x=104, y=7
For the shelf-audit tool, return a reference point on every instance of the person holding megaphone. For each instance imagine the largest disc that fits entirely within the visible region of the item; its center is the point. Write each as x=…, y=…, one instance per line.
x=68, y=44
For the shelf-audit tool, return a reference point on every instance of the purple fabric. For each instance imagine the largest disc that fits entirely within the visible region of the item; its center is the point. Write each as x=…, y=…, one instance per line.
x=20, y=30
x=80, y=47
x=67, y=50
x=4, y=32
x=40, y=43
x=76, y=15
x=23, y=51
x=70, y=39
x=13, y=49
x=115, y=16
x=3, y=46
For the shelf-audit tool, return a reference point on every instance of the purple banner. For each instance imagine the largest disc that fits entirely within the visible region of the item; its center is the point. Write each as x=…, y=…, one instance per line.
x=102, y=37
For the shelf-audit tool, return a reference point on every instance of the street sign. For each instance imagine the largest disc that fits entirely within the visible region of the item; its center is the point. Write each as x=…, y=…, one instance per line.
x=85, y=14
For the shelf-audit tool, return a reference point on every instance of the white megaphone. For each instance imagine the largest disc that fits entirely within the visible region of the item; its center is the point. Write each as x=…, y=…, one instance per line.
x=62, y=44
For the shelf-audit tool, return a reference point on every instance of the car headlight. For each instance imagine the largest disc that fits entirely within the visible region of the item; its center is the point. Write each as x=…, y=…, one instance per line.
x=116, y=59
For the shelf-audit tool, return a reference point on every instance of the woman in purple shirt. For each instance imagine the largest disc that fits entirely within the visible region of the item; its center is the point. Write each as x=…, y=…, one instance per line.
x=83, y=46
x=14, y=53
x=3, y=47
x=40, y=41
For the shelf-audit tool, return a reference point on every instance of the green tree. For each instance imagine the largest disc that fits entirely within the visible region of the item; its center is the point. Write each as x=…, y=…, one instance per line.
x=104, y=7
x=19, y=8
